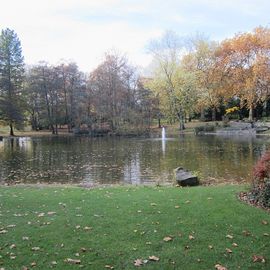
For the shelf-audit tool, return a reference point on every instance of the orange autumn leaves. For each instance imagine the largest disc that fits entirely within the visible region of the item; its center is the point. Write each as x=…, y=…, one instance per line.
x=215, y=73
x=244, y=60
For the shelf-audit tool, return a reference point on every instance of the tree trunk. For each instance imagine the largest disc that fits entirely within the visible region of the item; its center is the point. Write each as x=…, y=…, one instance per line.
x=202, y=118
x=181, y=121
x=11, y=133
x=214, y=114
x=250, y=115
x=52, y=128
x=159, y=123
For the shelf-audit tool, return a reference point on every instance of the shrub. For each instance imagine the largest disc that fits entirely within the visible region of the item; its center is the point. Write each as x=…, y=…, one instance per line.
x=262, y=168
x=260, y=192
x=203, y=129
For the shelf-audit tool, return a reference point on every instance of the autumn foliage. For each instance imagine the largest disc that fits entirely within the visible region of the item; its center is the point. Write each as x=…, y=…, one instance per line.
x=262, y=168
x=261, y=181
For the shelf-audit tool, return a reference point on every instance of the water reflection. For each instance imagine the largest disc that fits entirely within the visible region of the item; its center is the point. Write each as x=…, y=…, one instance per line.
x=134, y=161
x=163, y=146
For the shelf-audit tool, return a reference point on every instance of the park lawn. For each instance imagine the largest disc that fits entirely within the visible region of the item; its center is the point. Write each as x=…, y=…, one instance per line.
x=109, y=228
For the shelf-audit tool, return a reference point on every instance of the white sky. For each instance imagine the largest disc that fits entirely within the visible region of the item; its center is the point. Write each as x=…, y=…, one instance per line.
x=83, y=30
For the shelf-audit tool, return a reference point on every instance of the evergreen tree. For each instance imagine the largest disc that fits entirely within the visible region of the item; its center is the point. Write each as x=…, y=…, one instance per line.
x=11, y=79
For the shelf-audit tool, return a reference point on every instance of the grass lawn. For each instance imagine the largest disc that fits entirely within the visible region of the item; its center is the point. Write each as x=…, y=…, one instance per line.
x=109, y=228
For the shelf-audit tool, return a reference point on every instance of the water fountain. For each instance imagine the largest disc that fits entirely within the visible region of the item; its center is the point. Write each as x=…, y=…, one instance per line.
x=163, y=137
x=163, y=134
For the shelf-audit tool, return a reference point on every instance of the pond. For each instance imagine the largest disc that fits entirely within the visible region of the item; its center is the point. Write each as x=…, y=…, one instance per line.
x=127, y=160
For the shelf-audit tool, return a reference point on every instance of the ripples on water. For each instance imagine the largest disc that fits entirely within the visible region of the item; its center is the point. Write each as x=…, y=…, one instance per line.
x=126, y=160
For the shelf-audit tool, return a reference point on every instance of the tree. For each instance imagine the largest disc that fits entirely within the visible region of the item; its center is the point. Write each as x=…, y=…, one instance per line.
x=245, y=59
x=113, y=86
x=201, y=62
x=71, y=82
x=55, y=96
x=167, y=80
x=11, y=79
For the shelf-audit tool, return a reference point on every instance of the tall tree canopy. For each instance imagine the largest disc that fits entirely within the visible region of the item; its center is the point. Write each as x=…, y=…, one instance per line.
x=166, y=53
x=11, y=79
x=245, y=60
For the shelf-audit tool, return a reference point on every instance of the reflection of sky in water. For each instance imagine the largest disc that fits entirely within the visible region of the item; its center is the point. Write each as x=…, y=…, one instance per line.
x=134, y=161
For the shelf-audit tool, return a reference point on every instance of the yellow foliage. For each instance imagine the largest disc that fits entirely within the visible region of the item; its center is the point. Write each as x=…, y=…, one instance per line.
x=232, y=110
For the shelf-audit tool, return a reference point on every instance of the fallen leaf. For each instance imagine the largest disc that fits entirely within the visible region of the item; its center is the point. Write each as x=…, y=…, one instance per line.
x=153, y=204
x=12, y=246
x=266, y=234
x=53, y=263
x=138, y=262
x=258, y=258
x=51, y=213
x=246, y=233
x=167, y=239
x=228, y=250
x=3, y=231
x=41, y=214
x=109, y=266
x=72, y=261
x=33, y=264
x=25, y=238
x=177, y=206
x=87, y=228
x=220, y=267
x=229, y=236
x=153, y=258
x=234, y=245
x=210, y=247
x=264, y=222
x=191, y=237
x=11, y=226
x=35, y=248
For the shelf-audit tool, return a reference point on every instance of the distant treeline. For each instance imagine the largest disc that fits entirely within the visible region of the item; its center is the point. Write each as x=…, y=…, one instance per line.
x=189, y=78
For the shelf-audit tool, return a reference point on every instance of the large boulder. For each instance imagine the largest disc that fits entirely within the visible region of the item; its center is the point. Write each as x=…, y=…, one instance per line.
x=185, y=178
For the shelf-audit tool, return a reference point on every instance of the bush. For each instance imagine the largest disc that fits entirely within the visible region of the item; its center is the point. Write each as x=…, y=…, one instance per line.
x=260, y=193
x=203, y=129
x=262, y=168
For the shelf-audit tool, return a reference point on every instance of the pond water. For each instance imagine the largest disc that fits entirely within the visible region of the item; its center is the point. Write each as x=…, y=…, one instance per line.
x=127, y=160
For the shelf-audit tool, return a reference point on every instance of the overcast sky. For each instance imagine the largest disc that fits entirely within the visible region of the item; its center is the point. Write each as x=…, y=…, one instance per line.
x=83, y=30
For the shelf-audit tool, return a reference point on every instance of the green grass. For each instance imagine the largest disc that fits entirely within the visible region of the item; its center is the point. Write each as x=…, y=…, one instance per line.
x=129, y=223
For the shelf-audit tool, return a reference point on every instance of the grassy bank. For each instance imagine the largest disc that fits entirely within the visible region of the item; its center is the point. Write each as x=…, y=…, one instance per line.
x=106, y=228
x=171, y=130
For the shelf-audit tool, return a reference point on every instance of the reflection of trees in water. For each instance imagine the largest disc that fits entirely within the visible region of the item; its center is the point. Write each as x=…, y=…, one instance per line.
x=115, y=160
x=14, y=153
x=212, y=156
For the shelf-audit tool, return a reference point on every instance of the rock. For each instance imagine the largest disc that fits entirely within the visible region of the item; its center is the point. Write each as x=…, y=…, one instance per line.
x=185, y=178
